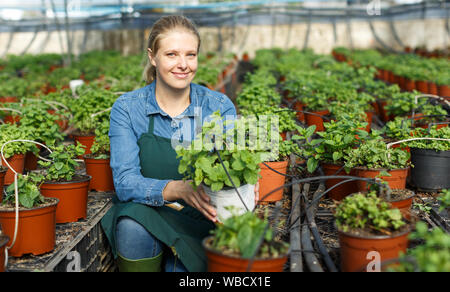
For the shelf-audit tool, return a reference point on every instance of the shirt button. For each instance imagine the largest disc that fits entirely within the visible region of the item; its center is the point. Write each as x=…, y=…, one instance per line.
x=173, y=124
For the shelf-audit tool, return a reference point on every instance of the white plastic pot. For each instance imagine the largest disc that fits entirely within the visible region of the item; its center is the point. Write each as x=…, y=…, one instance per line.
x=229, y=197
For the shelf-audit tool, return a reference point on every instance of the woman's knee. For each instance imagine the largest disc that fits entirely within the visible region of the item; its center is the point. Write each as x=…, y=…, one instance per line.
x=134, y=242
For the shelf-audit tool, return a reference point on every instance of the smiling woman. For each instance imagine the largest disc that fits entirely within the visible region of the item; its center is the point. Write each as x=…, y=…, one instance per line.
x=145, y=232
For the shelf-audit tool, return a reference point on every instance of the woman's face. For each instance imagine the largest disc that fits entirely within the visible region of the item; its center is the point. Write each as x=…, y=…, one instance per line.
x=176, y=59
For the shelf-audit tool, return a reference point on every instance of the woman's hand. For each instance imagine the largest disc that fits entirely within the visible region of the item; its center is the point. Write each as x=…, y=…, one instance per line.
x=256, y=193
x=199, y=200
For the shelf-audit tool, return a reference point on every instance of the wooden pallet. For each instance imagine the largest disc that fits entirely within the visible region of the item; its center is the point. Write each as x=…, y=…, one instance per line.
x=80, y=247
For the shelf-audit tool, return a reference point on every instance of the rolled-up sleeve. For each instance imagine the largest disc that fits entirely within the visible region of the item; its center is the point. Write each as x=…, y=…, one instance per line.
x=129, y=182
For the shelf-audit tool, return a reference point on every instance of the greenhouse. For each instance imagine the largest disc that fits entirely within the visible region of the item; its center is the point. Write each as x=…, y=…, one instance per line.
x=224, y=136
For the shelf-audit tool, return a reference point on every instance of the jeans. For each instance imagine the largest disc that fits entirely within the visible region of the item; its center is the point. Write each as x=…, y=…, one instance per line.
x=134, y=242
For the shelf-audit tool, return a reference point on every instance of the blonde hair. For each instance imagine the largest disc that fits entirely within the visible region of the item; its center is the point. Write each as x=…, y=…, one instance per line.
x=162, y=26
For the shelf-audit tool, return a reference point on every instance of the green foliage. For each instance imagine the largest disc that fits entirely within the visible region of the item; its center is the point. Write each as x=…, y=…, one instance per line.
x=374, y=154
x=9, y=132
x=241, y=234
x=201, y=163
x=433, y=132
x=338, y=138
x=367, y=212
x=45, y=128
x=444, y=200
x=28, y=191
x=63, y=164
x=398, y=129
x=431, y=256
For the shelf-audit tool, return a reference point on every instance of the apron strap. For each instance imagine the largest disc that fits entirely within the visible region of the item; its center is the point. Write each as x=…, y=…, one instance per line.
x=151, y=124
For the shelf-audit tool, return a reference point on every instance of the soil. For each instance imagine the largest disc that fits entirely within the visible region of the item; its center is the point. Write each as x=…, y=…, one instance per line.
x=75, y=179
x=10, y=207
x=399, y=195
x=371, y=232
x=3, y=169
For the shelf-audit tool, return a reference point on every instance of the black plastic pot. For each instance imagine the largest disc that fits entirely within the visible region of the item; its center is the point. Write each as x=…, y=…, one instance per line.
x=431, y=169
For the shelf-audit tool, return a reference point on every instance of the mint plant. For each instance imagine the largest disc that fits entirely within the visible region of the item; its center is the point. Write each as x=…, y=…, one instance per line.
x=433, y=255
x=433, y=132
x=367, y=212
x=28, y=191
x=444, y=200
x=241, y=234
x=202, y=164
x=63, y=164
x=9, y=132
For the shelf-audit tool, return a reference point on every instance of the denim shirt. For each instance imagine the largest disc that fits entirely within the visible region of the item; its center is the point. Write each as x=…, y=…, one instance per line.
x=130, y=119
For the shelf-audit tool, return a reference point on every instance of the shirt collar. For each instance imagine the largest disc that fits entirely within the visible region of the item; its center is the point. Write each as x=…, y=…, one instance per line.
x=152, y=106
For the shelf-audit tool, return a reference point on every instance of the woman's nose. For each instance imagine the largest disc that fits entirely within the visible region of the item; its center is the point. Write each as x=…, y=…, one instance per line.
x=182, y=64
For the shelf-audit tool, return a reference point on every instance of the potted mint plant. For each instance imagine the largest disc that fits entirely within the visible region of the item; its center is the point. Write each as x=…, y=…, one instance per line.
x=220, y=167
x=365, y=224
x=36, y=232
x=236, y=241
x=62, y=182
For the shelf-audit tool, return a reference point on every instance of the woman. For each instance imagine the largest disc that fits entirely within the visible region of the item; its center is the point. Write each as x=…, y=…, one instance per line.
x=147, y=233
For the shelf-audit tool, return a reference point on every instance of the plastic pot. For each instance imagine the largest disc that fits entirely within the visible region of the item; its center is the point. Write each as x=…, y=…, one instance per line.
x=72, y=196
x=431, y=169
x=444, y=90
x=397, y=180
x=2, y=182
x=17, y=162
x=36, y=232
x=410, y=85
x=432, y=88
x=218, y=262
x=11, y=119
x=404, y=205
x=8, y=99
x=229, y=197
x=369, y=118
x=86, y=141
x=62, y=123
x=316, y=119
x=3, y=241
x=355, y=249
x=101, y=173
x=298, y=107
x=422, y=86
x=271, y=180
x=343, y=190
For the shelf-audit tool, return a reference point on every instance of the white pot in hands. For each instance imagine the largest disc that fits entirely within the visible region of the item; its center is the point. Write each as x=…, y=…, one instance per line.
x=229, y=197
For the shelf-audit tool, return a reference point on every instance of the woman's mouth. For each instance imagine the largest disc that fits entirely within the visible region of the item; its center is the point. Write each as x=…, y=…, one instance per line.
x=180, y=75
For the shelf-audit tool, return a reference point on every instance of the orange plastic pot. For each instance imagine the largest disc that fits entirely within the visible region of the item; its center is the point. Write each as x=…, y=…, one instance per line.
x=397, y=180
x=383, y=113
x=62, y=123
x=404, y=205
x=8, y=99
x=2, y=182
x=11, y=119
x=355, y=249
x=3, y=241
x=432, y=88
x=385, y=75
x=343, y=190
x=101, y=173
x=316, y=119
x=401, y=81
x=86, y=141
x=298, y=107
x=218, y=262
x=391, y=77
x=422, y=86
x=31, y=160
x=444, y=90
x=17, y=162
x=36, y=232
x=369, y=118
x=271, y=180
x=72, y=198
x=410, y=85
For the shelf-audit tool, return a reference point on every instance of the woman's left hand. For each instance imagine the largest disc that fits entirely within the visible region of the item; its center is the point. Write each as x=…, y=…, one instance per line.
x=256, y=193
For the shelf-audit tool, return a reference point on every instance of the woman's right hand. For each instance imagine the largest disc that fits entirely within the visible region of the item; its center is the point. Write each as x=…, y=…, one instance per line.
x=178, y=189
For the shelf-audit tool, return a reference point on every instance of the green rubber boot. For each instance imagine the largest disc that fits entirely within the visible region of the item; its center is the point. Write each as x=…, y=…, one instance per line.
x=142, y=265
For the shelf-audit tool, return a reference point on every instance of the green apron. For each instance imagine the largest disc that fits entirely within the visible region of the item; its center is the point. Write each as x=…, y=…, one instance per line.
x=181, y=230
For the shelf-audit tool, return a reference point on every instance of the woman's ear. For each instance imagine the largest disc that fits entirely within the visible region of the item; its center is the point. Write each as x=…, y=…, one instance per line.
x=151, y=57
